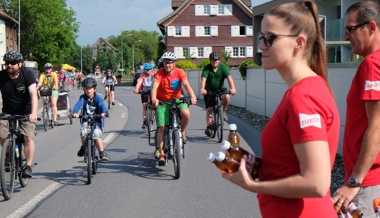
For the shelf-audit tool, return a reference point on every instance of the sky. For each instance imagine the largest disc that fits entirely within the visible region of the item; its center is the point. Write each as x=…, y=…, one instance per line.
x=104, y=18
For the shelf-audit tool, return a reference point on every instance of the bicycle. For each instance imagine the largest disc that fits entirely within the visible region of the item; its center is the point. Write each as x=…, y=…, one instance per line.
x=173, y=144
x=217, y=117
x=47, y=116
x=13, y=160
x=91, y=154
x=150, y=116
x=108, y=95
x=79, y=83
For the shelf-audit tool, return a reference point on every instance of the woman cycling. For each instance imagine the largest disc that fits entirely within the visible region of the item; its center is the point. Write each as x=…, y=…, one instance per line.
x=110, y=81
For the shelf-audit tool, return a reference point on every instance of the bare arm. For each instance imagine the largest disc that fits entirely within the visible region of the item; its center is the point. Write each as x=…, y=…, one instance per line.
x=138, y=86
x=189, y=90
x=203, y=85
x=153, y=93
x=312, y=181
x=231, y=84
x=34, y=100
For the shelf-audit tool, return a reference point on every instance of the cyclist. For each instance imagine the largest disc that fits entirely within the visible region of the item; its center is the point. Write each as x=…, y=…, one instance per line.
x=50, y=79
x=79, y=77
x=213, y=76
x=144, y=84
x=91, y=103
x=109, y=80
x=62, y=77
x=167, y=85
x=19, y=95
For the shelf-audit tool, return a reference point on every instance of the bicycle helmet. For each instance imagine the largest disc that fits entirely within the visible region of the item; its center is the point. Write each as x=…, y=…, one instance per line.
x=148, y=66
x=48, y=65
x=169, y=56
x=13, y=56
x=89, y=82
x=214, y=56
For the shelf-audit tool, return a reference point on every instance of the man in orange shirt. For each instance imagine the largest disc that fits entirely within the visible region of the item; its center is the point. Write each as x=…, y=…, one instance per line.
x=167, y=85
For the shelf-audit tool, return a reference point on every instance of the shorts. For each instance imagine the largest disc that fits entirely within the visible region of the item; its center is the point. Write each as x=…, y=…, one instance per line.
x=112, y=87
x=54, y=94
x=97, y=132
x=210, y=99
x=144, y=97
x=163, y=113
x=364, y=199
x=26, y=128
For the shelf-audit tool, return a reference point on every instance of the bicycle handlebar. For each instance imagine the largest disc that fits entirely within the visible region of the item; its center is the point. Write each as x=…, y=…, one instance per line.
x=219, y=92
x=12, y=117
x=182, y=100
x=94, y=116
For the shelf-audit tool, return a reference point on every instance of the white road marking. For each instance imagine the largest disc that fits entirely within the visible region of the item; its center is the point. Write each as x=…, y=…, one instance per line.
x=120, y=104
x=109, y=137
x=123, y=115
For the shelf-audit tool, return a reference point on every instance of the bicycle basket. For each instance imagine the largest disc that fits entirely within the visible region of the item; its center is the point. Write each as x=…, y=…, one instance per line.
x=45, y=91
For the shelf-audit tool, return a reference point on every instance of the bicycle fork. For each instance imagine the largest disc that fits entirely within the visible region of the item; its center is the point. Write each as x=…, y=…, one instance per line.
x=171, y=145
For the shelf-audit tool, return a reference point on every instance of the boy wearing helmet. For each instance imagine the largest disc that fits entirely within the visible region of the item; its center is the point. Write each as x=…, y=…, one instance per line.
x=19, y=94
x=167, y=85
x=144, y=84
x=91, y=103
x=213, y=76
x=50, y=79
x=110, y=81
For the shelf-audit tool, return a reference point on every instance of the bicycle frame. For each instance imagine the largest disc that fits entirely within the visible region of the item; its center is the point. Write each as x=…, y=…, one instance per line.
x=109, y=95
x=218, y=114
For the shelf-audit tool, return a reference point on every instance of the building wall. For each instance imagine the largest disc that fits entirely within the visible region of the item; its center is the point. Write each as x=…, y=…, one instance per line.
x=8, y=38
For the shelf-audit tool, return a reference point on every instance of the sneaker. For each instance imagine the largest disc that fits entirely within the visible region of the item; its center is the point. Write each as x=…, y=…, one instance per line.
x=184, y=138
x=225, y=116
x=103, y=157
x=113, y=103
x=55, y=123
x=27, y=172
x=161, y=162
x=105, y=97
x=208, y=131
x=144, y=125
x=81, y=151
x=157, y=154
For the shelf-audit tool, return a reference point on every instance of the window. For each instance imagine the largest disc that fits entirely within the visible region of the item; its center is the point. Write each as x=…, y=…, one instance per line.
x=220, y=9
x=200, y=52
x=192, y=52
x=207, y=31
x=206, y=9
x=185, y=52
x=212, y=10
x=178, y=31
x=240, y=51
x=241, y=31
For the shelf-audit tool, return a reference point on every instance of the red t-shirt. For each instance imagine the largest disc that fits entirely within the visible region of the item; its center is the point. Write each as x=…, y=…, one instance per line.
x=307, y=112
x=365, y=87
x=170, y=85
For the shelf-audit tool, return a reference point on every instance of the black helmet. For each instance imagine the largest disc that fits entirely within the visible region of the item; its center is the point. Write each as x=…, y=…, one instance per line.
x=12, y=56
x=89, y=82
x=214, y=56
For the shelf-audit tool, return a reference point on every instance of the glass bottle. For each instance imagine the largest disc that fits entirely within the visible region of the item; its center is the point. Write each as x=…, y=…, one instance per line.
x=233, y=137
x=231, y=164
x=218, y=164
x=238, y=152
x=352, y=211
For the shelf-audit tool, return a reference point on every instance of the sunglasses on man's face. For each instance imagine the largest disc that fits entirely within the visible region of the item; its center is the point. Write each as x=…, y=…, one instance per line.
x=10, y=63
x=348, y=29
x=269, y=38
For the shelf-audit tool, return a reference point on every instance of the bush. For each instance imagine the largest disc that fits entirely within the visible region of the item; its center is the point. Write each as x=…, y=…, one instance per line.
x=118, y=75
x=185, y=65
x=203, y=63
x=243, y=67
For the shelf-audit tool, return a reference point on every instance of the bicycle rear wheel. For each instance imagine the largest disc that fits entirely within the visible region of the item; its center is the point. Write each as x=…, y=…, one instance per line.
x=7, y=171
x=177, y=143
x=89, y=160
x=22, y=163
x=69, y=114
x=45, y=118
x=219, y=123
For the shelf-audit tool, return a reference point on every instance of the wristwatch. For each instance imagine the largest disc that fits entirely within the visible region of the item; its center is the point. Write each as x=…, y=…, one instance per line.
x=352, y=182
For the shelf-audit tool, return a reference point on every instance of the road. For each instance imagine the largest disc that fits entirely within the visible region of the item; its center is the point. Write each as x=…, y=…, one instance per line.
x=130, y=184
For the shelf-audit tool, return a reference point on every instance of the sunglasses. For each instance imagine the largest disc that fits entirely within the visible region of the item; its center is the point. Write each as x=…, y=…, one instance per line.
x=269, y=38
x=348, y=29
x=168, y=62
x=10, y=63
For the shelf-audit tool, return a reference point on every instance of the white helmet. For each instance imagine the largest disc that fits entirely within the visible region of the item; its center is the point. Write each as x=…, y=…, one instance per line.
x=169, y=56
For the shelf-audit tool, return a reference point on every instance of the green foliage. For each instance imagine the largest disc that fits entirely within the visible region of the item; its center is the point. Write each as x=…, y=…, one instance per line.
x=203, y=63
x=107, y=58
x=186, y=65
x=118, y=75
x=226, y=55
x=357, y=58
x=243, y=67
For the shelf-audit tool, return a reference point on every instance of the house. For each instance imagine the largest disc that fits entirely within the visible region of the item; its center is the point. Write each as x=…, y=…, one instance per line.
x=332, y=17
x=8, y=34
x=196, y=28
x=101, y=43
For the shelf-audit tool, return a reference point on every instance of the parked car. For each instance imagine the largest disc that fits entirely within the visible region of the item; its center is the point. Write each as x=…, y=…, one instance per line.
x=136, y=76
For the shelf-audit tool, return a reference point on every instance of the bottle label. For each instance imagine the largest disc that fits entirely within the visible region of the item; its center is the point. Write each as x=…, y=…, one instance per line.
x=251, y=159
x=249, y=168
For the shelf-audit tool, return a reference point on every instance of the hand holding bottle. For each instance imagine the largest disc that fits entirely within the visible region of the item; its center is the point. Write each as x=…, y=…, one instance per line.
x=242, y=177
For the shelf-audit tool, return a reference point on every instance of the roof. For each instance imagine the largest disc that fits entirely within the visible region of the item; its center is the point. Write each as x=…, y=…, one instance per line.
x=6, y=16
x=170, y=17
x=106, y=42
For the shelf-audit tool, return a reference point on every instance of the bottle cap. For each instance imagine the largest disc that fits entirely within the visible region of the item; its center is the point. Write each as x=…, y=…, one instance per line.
x=232, y=127
x=211, y=157
x=225, y=145
x=220, y=156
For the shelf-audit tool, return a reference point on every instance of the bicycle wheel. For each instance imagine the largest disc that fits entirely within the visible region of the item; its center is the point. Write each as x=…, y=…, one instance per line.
x=22, y=163
x=219, y=123
x=45, y=118
x=109, y=102
x=69, y=114
x=89, y=160
x=149, y=125
x=177, y=143
x=214, y=123
x=7, y=171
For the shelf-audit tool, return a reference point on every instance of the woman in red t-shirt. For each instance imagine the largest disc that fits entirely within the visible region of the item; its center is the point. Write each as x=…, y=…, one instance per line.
x=295, y=177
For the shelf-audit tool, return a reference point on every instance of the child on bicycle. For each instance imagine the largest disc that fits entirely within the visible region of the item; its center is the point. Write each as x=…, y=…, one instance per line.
x=91, y=103
x=145, y=85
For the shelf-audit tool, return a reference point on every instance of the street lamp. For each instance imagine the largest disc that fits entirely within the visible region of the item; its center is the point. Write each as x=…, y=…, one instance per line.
x=133, y=54
x=122, y=57
x=81, y=48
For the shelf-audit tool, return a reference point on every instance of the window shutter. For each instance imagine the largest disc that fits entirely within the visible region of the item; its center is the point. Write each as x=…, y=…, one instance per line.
x=214, y=30
x=249, y=31
x=171, y=31
x=198, y=10
x=228, y=9
x=213, y=10
x=185, y=30
x=193, y=52
x=199, y=30
x=249, y=51
x=178, y=51
x=228, y=50
x=207, y=51
x=234, y=30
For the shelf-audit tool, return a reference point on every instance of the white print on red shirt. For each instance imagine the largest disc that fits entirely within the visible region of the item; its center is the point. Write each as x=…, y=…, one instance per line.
x=375, y=85
x=307, y=120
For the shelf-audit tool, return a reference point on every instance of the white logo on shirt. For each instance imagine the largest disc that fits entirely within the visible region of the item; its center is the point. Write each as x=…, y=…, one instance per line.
x=374, y=85
x=310, y=120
